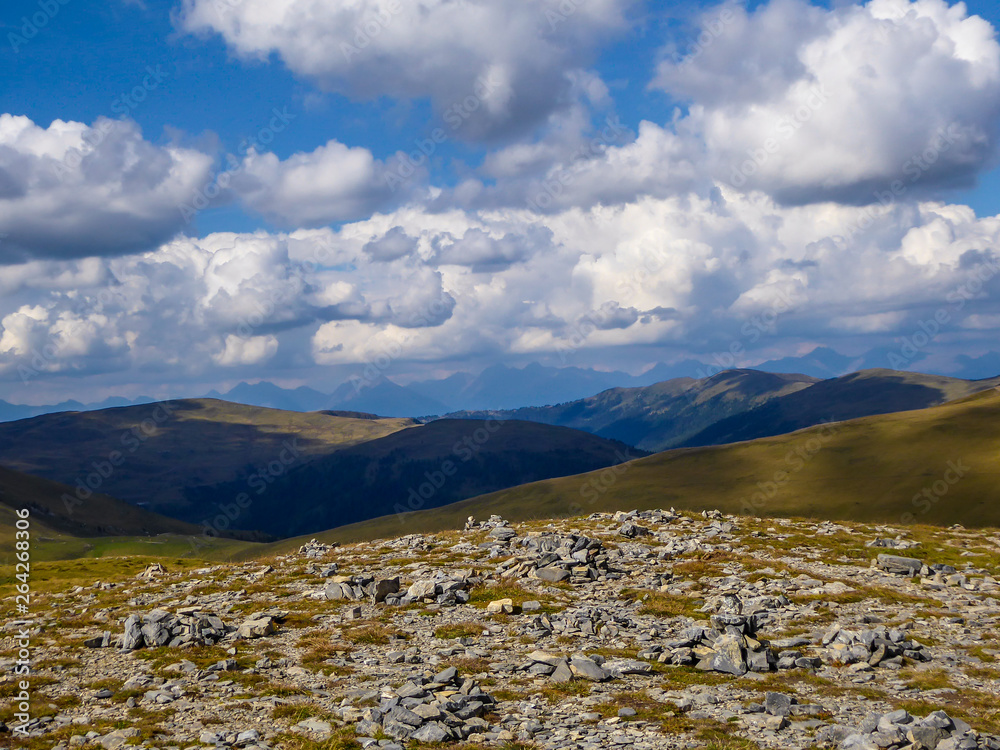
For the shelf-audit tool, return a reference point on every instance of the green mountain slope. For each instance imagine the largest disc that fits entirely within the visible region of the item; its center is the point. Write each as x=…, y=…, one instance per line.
x=63, y=527
x=56, y=507
x=666, y=414
x=933, y=466
x=152, y=454
x=859, y=394
x=439, y=463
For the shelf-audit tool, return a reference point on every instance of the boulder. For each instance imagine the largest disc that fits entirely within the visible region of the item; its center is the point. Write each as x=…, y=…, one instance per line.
x=133, y=638
x=257, y=628
x=552, y=575
x=908, y=566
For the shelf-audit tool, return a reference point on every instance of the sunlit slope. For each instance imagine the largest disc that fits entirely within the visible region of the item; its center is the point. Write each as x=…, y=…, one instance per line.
x=860, y=394
x=935, y=466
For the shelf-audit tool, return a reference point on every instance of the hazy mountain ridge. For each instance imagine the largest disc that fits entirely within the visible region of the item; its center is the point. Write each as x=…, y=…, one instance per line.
x=742, y=405
x=502, y=387
x=659, y=416
x=859, y=394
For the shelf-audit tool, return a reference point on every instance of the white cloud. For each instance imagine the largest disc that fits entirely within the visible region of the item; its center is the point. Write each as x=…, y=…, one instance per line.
x=254, y=350
x=71, y=191
x=810, y=104
x=489, y=66
x=684, y=273
x=333, y=183
x=394, y=244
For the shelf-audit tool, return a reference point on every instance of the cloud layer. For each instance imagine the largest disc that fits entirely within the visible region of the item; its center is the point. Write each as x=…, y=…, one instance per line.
x=494, y=66
x=683, y=273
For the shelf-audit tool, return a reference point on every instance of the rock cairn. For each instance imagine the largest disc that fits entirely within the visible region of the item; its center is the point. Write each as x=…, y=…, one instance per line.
x=899, y=729
x=875, y=647
x=429, y=708
x=445, y=589
x=558, y=558
x=188, y=626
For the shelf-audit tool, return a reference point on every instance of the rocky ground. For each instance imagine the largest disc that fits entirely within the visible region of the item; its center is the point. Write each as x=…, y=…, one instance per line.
x=648, y=630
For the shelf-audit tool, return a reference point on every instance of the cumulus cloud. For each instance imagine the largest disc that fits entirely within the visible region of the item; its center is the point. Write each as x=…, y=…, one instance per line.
x=483, y=252
x=676, y=274
x=489, y=67
x=254, y=350
x=72, y=190
x=394, y=244
x=809, y=104
x=330, y=184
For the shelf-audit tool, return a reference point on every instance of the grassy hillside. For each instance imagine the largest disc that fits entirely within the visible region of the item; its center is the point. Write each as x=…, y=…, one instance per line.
x=868, y=469
x=859, y=394
x=97, y=526
x=429, y=466
x=152, y=454
x=666, y=414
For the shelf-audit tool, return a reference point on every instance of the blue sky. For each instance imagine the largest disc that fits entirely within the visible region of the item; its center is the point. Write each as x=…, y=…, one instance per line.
x=523, y=236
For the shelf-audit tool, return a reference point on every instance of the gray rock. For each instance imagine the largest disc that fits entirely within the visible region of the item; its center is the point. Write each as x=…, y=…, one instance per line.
x=552, y=575
x=729, y=656
x=588, y=669
x=431, y=732
x=385, y=587
x=133, y=633
x=421, y=590
x=335, y=591
x=927, y=736
x=257, y=628
x=777, y=704
x=447, y=676
x=316, y=726
x=908, y=566
x=116, y=739
x=562, y=672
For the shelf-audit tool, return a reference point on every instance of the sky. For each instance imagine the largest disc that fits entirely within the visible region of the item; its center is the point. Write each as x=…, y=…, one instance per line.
x=199, y=192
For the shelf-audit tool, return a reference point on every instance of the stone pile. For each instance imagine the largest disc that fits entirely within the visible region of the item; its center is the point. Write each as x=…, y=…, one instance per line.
x=904, y=566
x=593, y=667
x=556, y=558
x=494, y=522
x=315, y=548
x=445, y=589
x=935, y=575
x=189, y=626
x=892, y=543
x=152, y=572
x=358, y=588
x=899, y=729
x=323, y=570
x=659, y=517
x=730, y=645
x=875, y=647
x=587, y=622
x=427, y=708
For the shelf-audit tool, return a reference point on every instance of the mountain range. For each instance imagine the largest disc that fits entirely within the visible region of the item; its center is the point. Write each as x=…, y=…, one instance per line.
x=933, y=466
x=741, y=405
x=250, y=472
x=504, y=387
